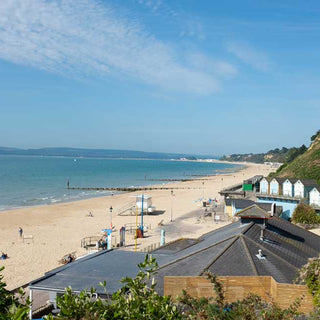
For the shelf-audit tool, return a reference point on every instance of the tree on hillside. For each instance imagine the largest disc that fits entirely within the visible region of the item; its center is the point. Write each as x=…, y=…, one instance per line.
x=315, y=135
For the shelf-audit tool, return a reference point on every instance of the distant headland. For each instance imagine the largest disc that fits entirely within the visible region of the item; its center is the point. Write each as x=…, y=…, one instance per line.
x=99, y=153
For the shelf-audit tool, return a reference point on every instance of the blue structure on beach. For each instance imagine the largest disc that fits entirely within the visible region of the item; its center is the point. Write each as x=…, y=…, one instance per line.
x=288, y=204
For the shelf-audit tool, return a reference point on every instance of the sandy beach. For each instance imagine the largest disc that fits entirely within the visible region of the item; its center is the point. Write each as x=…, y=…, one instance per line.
x=58, y=229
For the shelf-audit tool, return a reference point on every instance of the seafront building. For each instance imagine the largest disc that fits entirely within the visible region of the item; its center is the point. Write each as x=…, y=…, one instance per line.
x=258, y=244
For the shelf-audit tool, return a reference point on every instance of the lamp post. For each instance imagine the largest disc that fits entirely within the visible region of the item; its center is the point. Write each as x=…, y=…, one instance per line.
x=111, y=209
x=141, y=227
x=202, y=190
x=171, y=219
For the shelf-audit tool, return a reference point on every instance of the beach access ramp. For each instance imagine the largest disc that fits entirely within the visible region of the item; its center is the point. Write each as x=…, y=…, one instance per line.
x=129, y=209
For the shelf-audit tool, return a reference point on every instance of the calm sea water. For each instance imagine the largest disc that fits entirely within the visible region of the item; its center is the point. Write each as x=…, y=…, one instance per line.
x=30, y=181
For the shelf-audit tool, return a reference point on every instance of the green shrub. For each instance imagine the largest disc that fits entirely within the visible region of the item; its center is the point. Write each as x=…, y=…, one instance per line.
x=310, y=275
x=305, y=214
x=10, y=307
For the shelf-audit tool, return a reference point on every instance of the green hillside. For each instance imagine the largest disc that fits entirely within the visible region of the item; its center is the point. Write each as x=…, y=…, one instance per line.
x=305, y=166
x=277, y=155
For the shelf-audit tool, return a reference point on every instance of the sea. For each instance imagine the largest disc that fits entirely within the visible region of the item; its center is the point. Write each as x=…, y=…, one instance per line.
x=31, y=181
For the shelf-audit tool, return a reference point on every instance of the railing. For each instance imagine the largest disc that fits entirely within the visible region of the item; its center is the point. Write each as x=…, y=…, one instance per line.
x=150, y=247
x=89, y=241
x=127, y=207
x=131, y=227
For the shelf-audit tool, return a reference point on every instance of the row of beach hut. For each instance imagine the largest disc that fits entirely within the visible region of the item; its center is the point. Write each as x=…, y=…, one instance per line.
x=290, y=187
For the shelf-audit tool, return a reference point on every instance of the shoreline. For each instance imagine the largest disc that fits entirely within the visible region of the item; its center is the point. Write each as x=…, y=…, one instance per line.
x=58, y=229
x=230, y=170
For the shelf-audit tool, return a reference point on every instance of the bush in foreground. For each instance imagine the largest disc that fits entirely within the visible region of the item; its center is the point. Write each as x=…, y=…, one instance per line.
x=310, y=275
x=10, y=307
x=305, y=214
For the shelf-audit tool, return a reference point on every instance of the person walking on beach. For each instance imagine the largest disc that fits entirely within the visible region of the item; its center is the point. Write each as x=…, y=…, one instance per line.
x=20, y=232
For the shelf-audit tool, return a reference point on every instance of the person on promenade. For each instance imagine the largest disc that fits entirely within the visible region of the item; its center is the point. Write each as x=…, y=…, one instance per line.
x=4, y=256
x=20, y=232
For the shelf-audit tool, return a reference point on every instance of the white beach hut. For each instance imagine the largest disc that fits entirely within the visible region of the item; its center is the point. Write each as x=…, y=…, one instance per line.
x=287, y=187
x=264, y=186
x=275, y=186
x=314, y=196
x=299, y=189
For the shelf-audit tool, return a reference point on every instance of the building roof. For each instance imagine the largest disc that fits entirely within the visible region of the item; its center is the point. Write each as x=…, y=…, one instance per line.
x=245, y=203
x=268, y=207
x=279, y=180
x=228, y=251
x=308, y=182
x=254, y=211
x=291, y=180
x=253, y=180
x=239, y=203
x=317, y=188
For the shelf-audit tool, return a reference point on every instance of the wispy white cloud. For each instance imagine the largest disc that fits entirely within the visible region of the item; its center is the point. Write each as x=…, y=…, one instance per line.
x=86, y=38
x=218, y=68
x=256, y=59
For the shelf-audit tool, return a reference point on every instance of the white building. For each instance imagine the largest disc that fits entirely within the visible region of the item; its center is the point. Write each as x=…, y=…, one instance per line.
x=314, y=197
x=264, y=186
x=287, y=187
x=303, y=187
x=276, y=186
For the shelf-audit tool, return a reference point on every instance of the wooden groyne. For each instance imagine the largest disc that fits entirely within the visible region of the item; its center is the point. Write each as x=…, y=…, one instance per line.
x=172, y=180
x=131, y=189
x=176, y=180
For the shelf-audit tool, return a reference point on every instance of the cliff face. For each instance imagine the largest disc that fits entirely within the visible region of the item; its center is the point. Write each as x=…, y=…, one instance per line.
x=305, y=166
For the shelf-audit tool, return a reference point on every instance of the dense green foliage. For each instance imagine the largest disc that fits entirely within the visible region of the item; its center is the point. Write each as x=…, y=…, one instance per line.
x=10, y=308
x=305, y=166
x=310, y=275
x=277, y=155
x=317, y=134
x=305, y=214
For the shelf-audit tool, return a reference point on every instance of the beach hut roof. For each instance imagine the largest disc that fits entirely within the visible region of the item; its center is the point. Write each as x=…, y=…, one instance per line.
x=292, y=180
x=317, y=188
x=279, y=180
x=309, y=182
x=254, y=179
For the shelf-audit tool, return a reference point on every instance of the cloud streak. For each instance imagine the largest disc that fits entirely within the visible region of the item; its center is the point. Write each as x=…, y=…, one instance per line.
x=85, y=38
x=257, y=60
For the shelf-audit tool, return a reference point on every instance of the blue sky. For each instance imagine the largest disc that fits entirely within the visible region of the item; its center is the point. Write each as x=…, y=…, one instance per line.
x=205, y=77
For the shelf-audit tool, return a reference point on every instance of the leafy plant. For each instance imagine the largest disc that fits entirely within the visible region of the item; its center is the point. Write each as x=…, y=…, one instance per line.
x=305, y=214
x=310, y=275
x=10, y=307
